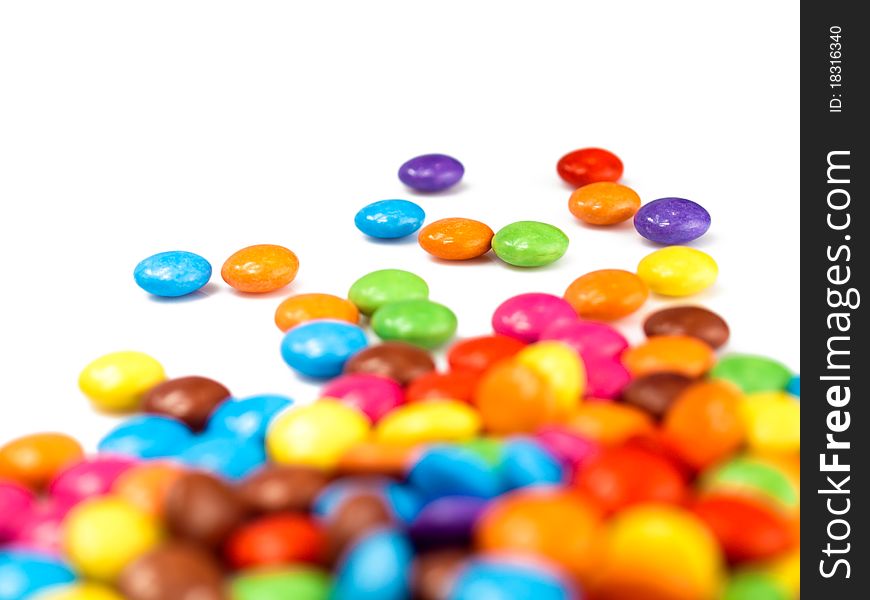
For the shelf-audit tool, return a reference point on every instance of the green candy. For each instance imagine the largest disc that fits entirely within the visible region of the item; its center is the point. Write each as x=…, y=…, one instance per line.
x=421, y=322
x=530, y=244
x=372, y=291
x=488, y=449
x=752, y=585
x=298, y=583
x=748, y=475
x=752, y=373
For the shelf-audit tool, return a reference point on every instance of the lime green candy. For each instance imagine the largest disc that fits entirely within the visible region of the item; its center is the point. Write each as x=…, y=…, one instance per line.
x=530, y=244
x=372, y=291
x=754, y=477
x=753, y=585
x=752, y=373
x=419, y=322
x=297, y=583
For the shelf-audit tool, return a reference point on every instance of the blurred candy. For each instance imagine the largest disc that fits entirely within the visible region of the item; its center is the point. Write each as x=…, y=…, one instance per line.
x=147, y=486
x=456, y=385
x=146, y=436
x=655, y=393
x=281, y=538
x=117, y=382
x=173, y=570
x=526, y=462
x=282, y=488
x=321, y=348
x=606, y=295
x=373, y=457
x=260, y=268
x=746, y=530
x=478, y=354
x=372, y=394
x=226, y=456
x=434, y=573
x=15, y=502
x=41, y=528
x=605, y=378
x=24, y=573
x=246, y=417
x=694, y=321
x=302, y=583
x=753, y=478
x=456, y=239
x=189, y=399
x=773, y=422
x=512, y=398
x=752, y=373
x=203, y=509
x=669, y=354
x=754, y=585
x=609, y=423
x=526, y=316
x=419, y=322
x=33, y=460
x=88, y=478
x=590, y=339
x=377, y=288
x=500, y=578
x=398, y=361
x=561, y=370
x=530, y=244
x=353, y=519
x=302, y=308
x=451, y=471
x=794, y=386
x=431, y=172
x=172, y=274
x=446, y=521
x=678, y=271
x=426, y=422
x=81, y=591
x=376, y=568
x=570, y=448
x=389, y=219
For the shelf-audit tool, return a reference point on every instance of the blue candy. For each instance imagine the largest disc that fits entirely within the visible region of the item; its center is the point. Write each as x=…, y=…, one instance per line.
x=450, y=471
x=227, y=456
x=389, y=219
x=172, y=274
x=504, y=580
x=378, y=567
x=404, y=501
x=23, y=573
x=794, y=386
x=320, y=348
x=525, y=463
x=147, y=436
x=246, y=417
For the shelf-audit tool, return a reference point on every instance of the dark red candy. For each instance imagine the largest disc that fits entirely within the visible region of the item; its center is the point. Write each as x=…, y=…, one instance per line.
x=589, y=165
x=188, y=399
x=397, y=360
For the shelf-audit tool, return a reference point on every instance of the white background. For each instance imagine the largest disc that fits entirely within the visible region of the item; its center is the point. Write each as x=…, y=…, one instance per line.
x=128, y=128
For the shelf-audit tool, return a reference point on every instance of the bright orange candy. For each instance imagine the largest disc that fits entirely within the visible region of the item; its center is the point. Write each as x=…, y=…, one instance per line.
x=704, y=424
x=456, y=238
x=261, y=268
x=557, y=525
x=146, y=486
x=376, y=458
x=33, y=460
x=607, y=294
x=512, y=398
x=306, y=307
x=681, y=354
x=609, y=423
x=604, y=203
x=282, y=538
x=456, y=385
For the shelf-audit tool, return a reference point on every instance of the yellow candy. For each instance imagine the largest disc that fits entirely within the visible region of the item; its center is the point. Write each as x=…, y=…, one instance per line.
x=103, y=535
x=428, y=421
x=81, y=591
x=562, y=370
x=116, y=382
x=678, y=271
x=773, y=422
x=786, y=571
x=316, y=435
x=660, y=552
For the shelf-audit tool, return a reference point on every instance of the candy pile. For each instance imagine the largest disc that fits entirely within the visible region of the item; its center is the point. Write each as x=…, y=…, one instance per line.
x=549, y=459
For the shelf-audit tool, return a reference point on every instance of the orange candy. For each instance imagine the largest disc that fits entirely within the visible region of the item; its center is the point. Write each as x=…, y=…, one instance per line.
x=610, y=423
x=512, y=398
x=306, y=307
x=146, y=486
x=277, y=539
x=704, y=424
x=33, y=460
x=261, y=268
x=681, y=354
x=607, y=294
x=557, y=525
x=456, y=239
x=456, y=385
x=604, y=203
x=376, y=458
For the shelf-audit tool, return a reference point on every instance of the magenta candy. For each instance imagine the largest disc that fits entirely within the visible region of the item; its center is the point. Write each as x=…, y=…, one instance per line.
x=15, y=501
x=591, y=340
x=526, y=316
x=568, y=447
x=90, y=477
x=605, y=378
x=41, y=529
x=371, y=394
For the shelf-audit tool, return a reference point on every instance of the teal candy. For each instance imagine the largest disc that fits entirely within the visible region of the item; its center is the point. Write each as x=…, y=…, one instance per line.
x=378, y=567
x=320, y=348
x=794, y=386
x=530, y=244
x=147, y=436
x=504, y=580
x=228, y=456
x=453, y=471
x=23, y=573
x=247, y=417
x=525, y=463
x=172, y=274
x=390, y=219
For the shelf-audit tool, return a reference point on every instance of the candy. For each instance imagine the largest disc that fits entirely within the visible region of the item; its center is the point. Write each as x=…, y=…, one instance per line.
x=301, y=308
x=609, y=423
x=452, y=471
x=688, y=320
x=378, y=288
x=147, y=486
x=456, y=385
x=341, y=490
x=81, y=591
x=500, y=579
x=561, y=370
x=24, y=573
x=672, y=221
x=589, y=165
x=745, y=530
x=33, y=460
x=590, y=339
x=172, y=274
x=456, y=239
x=476, y=355
x=188, y=399
x=146, y=436
x=529, y=244
x=398, y=361
x=321, y=348
x=282, y=488
x=203, y=509
x=103, y=535
x=527, y=462
x=431, y=172
x=678, y=271
x=605, y=378
x=752, y=585
x=606, y=295
x=794, y=386
x=487, y=448
x=15, y=501
x=246, y=417
x=446, y=521
x=670, y=354
x=526, y=316
x=434, y=572
x=426, y=422
x=297, y=582
x=371, y=457
x=656, y=392
x=316, y=435
x=773, y=422
x=372, y=394
x=420, y=322
x=260, y=268
x=752, y=478
x=173, y=570
x=604, y=203
x=354, y=519
x=389, y=219
x=752, y=373
x=570, y=448
x=226, y=456
x=89, y=477
x=274, y=540
x=375, y=568
x=117, y=382
x=512, y=398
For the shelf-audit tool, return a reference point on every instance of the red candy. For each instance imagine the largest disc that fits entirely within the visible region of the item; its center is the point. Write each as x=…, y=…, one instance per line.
x=274, y=540
x=589, y=165
x=455, y=385
x=480, y=353
x=746, y=530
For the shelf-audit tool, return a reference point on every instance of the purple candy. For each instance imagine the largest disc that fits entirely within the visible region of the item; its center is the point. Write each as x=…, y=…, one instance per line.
x=447, y=521
x=672, y=221
x=431, y=172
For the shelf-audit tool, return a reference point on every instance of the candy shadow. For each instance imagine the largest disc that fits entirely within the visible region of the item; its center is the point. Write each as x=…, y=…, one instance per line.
x=200, y=294
x=702, y=242
x=457, y=189
x=282, y=293
x=486, y=259
x=408, y=240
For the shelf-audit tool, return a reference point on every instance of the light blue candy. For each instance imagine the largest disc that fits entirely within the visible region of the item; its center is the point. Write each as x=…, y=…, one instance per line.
x=526, y=463
x=320, y=348
x=504, y=580
x=246, y=417
x=390, y=219
x=451, y=471
x=333, y=495
x=147, y=436
x=227, y=456
x=172, y=274
x=23, y=573
x=405, y=501
x=794, y=386
x=378, y=567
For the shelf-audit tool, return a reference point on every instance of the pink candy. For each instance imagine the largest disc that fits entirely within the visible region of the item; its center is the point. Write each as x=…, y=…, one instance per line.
x=15, y=501
x=592, y=340
x=568, y=447
x=605, y=378
x=90, y=477
x=41, y=529
x=371, y=394
x=526, y=316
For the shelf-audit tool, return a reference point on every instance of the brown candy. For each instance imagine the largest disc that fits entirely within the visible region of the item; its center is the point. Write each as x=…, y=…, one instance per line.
x=655, y=393
x=434, y=573
x=203, y=509
x=280, y=488
x=189, y=399
x=695, y=321
x=396, y=360
x=173, y=571
x=353, y=518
